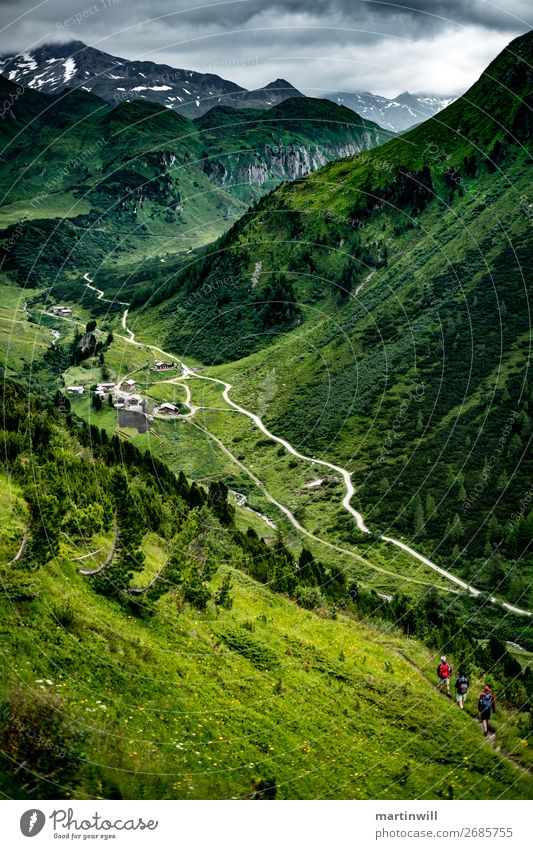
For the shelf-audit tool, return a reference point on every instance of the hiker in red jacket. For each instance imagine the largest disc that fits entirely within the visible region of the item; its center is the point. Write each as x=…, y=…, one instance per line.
x=444, y=673
x=486, y=706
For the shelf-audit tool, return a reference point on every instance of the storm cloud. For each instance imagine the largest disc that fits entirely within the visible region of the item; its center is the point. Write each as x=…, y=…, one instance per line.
x=437, y=46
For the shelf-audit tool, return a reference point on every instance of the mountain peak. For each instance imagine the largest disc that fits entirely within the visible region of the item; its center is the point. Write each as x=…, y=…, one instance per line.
x=396, y=114
x=406, y=98
x=278, y=86
x=52, y=67
x=73, y=44
x=279, y=83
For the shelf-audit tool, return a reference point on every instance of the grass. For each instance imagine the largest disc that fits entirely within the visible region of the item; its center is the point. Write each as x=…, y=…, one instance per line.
x=187, y=446
x=22, y=341
x=13, y=517
x=203, y=706
x=171, y=393
x=64, y=205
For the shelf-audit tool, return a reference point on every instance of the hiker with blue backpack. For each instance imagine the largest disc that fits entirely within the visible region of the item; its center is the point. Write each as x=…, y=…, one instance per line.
x=486, y=706
x=461, y=688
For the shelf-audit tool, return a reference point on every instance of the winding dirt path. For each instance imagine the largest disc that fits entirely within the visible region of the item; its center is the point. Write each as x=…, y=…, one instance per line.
x=350, y=491
x=346, y=476
x=193, y=409
x=294, y=521
x=100, y=294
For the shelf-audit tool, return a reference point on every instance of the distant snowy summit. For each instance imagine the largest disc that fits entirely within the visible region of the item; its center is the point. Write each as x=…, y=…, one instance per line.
x=397, y=113
x=54, y=67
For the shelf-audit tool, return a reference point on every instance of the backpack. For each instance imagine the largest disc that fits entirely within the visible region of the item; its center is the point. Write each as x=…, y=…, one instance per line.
x=462, y=685
x=485, y=701
x=444, y=670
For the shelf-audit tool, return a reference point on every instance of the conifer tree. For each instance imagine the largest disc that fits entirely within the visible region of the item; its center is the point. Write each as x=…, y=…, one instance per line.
x=515, y=447
x=456, y=529
x=503, y=480
x=430, y=506
x=418, y=516
x=129, y=557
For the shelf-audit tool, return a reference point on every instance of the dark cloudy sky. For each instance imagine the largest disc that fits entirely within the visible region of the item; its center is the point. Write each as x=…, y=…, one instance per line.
x=437, y=46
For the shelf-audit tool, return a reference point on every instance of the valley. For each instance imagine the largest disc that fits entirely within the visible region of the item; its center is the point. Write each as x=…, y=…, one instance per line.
x=266, y=431
x=187, y=375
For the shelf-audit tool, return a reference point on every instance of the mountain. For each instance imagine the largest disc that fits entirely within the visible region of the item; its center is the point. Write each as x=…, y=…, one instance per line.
x=269, y=95
x=53, y=67
x=190, y=609
x=250, y=152
x=388, y=296
x=163, y=649
x=145, y=179
x=103, y=192
x=395, y=114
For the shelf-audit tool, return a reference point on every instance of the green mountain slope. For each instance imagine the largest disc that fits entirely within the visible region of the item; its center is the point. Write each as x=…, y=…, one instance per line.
x=82, y=185
x=390, y=294
x=209, y=684
x=253, y=151
x=158, y=637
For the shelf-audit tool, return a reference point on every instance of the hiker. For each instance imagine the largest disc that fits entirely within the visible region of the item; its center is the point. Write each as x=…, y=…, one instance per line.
x=444, y=673
x=461, y=688
x=486, y=706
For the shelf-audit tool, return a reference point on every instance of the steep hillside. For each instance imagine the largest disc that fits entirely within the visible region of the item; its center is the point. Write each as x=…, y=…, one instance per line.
x=249, y=153
x=389, y=292
x=153, y=649
x=143, y=180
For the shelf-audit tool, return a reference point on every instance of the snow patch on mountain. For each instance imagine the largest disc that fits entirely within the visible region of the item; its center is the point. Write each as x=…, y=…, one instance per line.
x=70, y=69
x=28, y=63
x=51, y=67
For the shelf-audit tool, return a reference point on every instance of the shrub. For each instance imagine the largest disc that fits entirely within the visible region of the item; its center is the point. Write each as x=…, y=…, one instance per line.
x=223, y=597
x=83, y=522
x=264, y=788
x=309, y=597
x=43, y=749
x=259, y=656
x=65, y=615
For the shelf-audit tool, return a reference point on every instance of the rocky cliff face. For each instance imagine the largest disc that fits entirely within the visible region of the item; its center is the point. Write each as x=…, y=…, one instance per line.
x=250, y=170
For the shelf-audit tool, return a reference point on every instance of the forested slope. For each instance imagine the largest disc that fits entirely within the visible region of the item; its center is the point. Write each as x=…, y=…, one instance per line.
x=146, y=657
x=390, y=292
